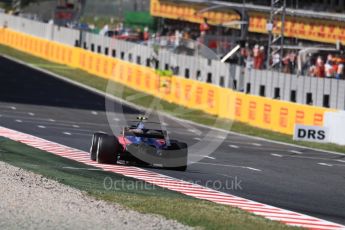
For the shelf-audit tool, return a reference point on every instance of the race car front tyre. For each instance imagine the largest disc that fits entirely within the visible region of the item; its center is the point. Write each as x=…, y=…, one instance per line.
x=94, y=143
x=107, y=149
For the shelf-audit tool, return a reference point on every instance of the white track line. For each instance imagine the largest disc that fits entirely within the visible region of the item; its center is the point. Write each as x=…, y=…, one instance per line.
x=295, y=151
x=192, y=130
x=208, y=157
x=230, y=166
x=212, y=158
x=325, y=164
x=254, y=169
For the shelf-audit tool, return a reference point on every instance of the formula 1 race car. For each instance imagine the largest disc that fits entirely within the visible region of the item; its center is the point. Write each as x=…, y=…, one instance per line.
x=139, y=145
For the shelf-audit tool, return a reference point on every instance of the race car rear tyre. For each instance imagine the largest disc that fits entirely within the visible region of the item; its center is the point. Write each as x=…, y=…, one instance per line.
x=182, y=168
x=182, y=151
x=184, y=148
x=107, y=149
x=94, y=143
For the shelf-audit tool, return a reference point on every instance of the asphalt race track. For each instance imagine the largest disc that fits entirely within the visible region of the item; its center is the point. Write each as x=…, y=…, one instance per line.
x=296, y=179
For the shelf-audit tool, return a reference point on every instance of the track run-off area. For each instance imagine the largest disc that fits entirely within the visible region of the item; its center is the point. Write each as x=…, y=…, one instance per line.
x=271, y=178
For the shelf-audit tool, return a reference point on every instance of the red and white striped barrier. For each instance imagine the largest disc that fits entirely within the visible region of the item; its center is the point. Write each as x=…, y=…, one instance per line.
x=187, y=188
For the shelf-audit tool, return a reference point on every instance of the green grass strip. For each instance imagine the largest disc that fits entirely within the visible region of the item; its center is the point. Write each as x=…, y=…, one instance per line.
x=173, y=109
x=130, y=192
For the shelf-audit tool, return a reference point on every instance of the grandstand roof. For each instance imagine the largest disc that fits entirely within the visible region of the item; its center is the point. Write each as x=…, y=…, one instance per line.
x=289, y=11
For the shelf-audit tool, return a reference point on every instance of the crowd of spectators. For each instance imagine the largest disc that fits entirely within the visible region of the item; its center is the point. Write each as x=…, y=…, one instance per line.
x=251, y=55
x=330, y=67
x=256, y=58
x=253, y=58
x=315, y=64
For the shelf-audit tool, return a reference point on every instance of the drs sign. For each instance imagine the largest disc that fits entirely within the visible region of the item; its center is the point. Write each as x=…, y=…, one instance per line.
x=311, y=133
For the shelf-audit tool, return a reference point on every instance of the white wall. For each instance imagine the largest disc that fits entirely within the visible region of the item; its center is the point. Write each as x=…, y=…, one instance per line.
x=335, y=122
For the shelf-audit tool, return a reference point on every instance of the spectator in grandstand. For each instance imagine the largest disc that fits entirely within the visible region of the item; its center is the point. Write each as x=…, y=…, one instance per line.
x=306, y=64
x=293, y=61
x=249, y=60
x=318, y=70
x=140, y=33
x=329, y=67
x=186, y=34
x=276, y=61
x=146, y=34
x=286, y=67
x=289, y=63
x=340, y=71
x=339, y=67
x=261, y=58
x=244, y=52
x=204, y=27
x=177, y=38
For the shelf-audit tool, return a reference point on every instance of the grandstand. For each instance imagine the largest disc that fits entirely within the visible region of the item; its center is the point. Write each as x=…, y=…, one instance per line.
x=314, y=33
x=303, y=27
x=301, y=22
